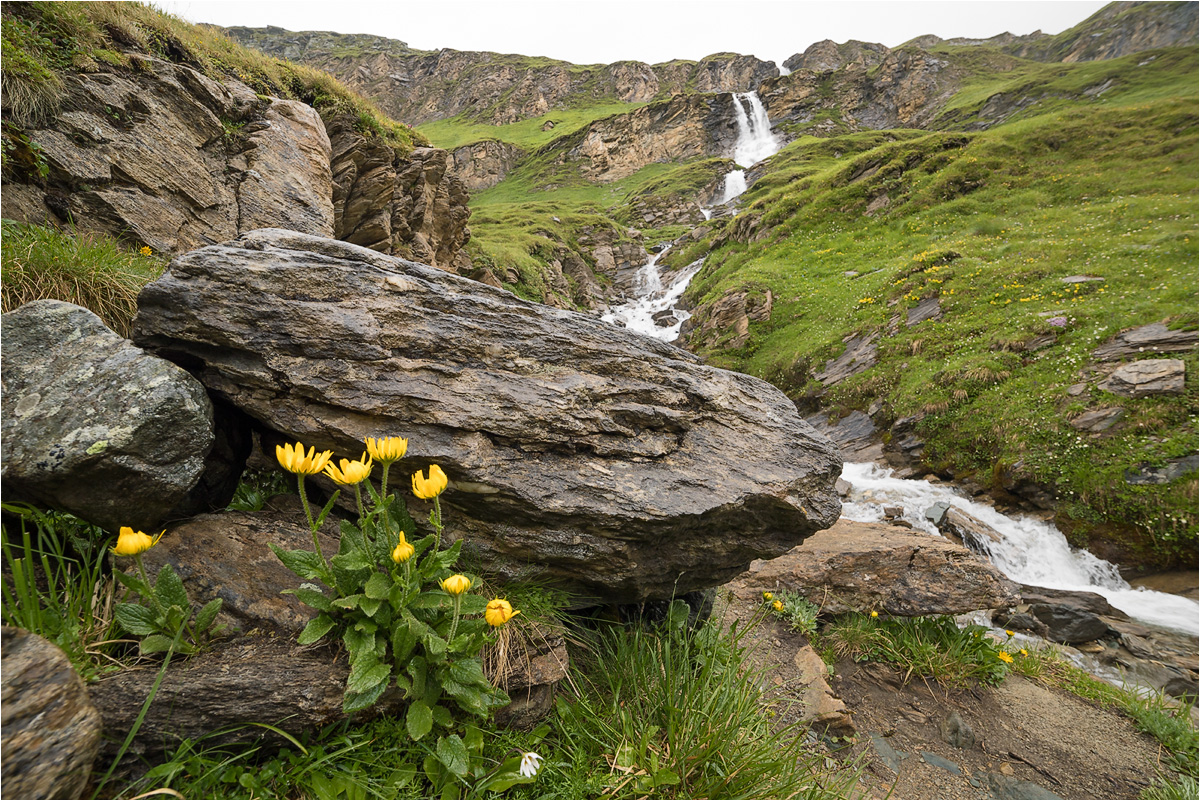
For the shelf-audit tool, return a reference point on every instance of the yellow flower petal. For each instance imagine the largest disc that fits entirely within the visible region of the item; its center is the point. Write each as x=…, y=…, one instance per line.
x=456, y=584
x=131, y=543
x=429, y=488
x=402, y=552
x=499, y=612
x=386, y=450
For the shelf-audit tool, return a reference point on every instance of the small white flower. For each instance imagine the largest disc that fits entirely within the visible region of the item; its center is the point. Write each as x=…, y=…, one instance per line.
x=529, y=764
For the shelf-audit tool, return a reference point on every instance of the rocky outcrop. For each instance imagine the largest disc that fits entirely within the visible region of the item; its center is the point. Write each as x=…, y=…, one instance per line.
x=685, y=127
x=1116, y=30
x=169, y=158
x=729, y=314
x=857, y=567
x=95, y=426
x=51, y=728
x=827, y=56
x=493, y=88
x=605, y=462
x=1145, y=339
x=482, y=165
x=1147, y=377
x=410, y=206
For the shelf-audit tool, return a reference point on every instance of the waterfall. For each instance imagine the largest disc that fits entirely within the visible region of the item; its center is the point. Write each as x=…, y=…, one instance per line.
x=1030, y=551
x=755, y=142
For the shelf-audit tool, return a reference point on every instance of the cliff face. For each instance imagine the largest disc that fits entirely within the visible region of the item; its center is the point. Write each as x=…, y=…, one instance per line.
x=162, y=155
x=1116, y=30
x=493, y=88
x=685, y=127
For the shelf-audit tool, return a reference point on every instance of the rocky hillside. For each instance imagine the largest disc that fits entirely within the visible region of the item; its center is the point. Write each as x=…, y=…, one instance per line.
x=493, y=88
x=133, y=126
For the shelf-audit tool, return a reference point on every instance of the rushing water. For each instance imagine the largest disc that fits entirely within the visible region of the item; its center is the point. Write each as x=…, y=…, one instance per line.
x=755, y=142
x=1030, y=551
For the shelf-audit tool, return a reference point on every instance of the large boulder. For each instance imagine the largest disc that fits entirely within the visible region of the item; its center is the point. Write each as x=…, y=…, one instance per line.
x=51, y=729
x=856, y=567
x=609, y=463
x=93, y=425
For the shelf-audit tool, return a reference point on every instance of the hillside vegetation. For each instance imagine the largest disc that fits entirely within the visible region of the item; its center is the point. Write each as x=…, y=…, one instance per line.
x=990, y=224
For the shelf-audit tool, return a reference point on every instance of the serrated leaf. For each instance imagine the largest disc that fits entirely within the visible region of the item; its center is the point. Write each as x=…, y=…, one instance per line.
x=351, y=561
x=361, y=681
x=432, y=600
x=317, y=628
x=378, y=586
x=353, y=702
x=170, y=590
x=473, y=604
x=442, y=716
x=358, y=641
x=137, y=619
x=207, y=614
x=157, y=643
x=435, y=646
x=403, y=641
x=469, y=672
x=134, y=583
x=369, y=605
x=305, y=564
x=453, y=754
x=469, y=698
x=419, y=720
x=311, y=595
x=419, y=671
x=349, y=602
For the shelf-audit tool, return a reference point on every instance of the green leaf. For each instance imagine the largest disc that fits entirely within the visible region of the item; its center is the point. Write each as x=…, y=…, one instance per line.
x=469, y=672
x=170, y=590
x=358, y=641
x=473, y=604
x=469, y=698
x=206, y=616
x=317, y=628
x=419, y=721
x=432, y=600
x=378, y=586
x=311, y=595
x=403, y=641
x=305, y=564
x=157, y=643
x=665, y=777
x=363, y=680
x=453, y=754
x=328, y=507
x=353, y=702
x=134, y=583
x=349, y=602
x=352, y=561
x=137, y=619
x=442, y=716
x=435, y=646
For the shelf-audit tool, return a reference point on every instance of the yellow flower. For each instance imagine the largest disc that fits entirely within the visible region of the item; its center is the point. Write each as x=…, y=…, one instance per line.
x=295, y=460
x=778, y=605
x=456, y=584
x=767, y=596
x=429, y=488
x=1005, y=656
x=146, y=251
x=131, y=543
x=1008, y=632
x=499, y=612
x=874, y=613
x=1024, y=652
x=402, y=552
x=387, y=449
x=351, y=472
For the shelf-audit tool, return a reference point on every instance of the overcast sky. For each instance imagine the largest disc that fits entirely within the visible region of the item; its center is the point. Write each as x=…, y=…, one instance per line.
x=591, y=32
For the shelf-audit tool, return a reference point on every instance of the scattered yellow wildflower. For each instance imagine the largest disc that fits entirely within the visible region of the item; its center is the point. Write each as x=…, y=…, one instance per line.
x=1024, y=652
x=295, y=460
x=146, y=251
x=1005, y=656
x=386, y=450
x=402, y=552
x=431, y=487
x=131, y=543
x=499, y=612
x=351, y=472
x=456, y=584
x=768, y=596
x=874, y=613
x=1008, y=632
x=778, y=605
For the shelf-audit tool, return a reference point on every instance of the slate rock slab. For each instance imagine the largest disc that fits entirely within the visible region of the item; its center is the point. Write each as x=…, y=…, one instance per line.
x=93, y=425
x=1146, y=377
x=608, y=462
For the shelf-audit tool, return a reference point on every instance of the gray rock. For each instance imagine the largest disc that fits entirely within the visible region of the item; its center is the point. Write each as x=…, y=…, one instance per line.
x=868, y=566
x=966, y=529
x=860, y=354
x=1154, y=338
x=854, y=434
x=891, y=757
x=941, y=762
x=93, y=425
x=927, y=309
x=587, y=455
x=957, y=732
x=1069, y=624
x=51, y=728
x=1173, y=469
x=1146, y=377
x=1097, y=420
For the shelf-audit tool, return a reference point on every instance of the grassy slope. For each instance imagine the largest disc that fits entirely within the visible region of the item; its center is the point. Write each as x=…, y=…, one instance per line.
x=991, y=223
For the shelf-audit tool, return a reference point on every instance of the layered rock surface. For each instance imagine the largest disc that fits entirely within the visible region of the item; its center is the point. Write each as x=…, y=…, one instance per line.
x=610, y=463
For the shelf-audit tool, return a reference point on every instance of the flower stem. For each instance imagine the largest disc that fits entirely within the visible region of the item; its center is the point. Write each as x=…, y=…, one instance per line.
x=153, y=595
x=311, y=523
x=454, y=625
x=436, y=520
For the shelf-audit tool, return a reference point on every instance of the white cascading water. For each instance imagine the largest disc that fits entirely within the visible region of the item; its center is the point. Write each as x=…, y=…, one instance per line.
x=1030, y=551
x=755, y=142
x=652, y=298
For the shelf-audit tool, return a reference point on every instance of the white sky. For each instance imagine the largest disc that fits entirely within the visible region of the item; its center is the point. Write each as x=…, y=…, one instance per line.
x=591, y=32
